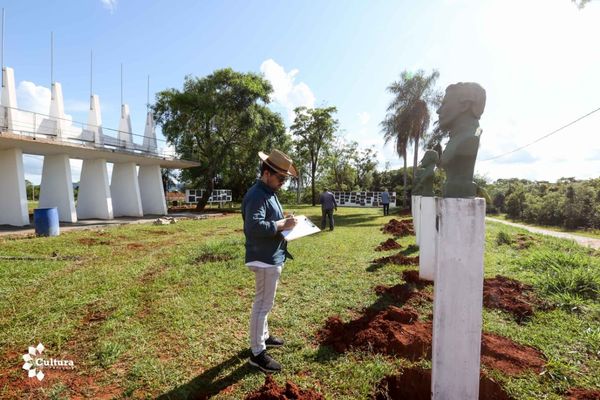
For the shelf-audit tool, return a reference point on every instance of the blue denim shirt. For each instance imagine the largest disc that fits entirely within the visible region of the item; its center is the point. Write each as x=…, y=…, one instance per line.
x=260, y=211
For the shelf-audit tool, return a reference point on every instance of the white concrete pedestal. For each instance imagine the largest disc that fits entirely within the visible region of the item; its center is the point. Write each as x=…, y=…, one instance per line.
x=94, y=199
x=151, y=190
x=56, y=189
x=428, y=239
x=417, y=219
x=125, y=191
x=13, y=198
x=458, y=297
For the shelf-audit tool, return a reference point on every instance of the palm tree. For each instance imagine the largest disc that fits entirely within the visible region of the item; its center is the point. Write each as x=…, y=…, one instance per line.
x=393, y=132
x=413, y=95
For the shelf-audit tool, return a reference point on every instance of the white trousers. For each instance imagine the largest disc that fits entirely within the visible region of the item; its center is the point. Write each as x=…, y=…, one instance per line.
x=266, y=286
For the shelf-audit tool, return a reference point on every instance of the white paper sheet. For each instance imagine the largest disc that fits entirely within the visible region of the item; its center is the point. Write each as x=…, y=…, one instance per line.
x=304, y=227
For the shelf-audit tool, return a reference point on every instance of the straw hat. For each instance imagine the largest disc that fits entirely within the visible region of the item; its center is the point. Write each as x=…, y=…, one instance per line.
x=280, y=162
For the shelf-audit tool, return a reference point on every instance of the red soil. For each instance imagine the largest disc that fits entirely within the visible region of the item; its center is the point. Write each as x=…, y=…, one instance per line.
x=399, y=259
x=415, y=384
x=407, y=291
x=271, y=391
x=583, y=394
x=501, y=353
x=399, y=228
x=511, y=296
x=389, y=244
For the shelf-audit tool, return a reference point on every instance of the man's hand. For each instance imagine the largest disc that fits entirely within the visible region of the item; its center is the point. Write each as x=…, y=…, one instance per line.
x=287, y=223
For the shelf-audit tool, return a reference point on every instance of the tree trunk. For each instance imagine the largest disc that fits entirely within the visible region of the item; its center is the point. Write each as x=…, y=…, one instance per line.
x=209, y=185
x=415, y=160
x=312, y=185
x=405, y=179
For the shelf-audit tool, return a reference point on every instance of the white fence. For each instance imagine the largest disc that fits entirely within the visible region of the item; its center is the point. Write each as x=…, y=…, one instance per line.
x=362, y=199
x=217, y=196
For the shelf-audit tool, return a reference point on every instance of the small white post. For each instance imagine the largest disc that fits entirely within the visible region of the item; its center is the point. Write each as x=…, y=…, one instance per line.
x=95, y=120
x=125, y=127
x=56, y=189
x=125, y=191
x=9, y=98
x=458, y=297
x=151, y=190
x=94, y=199
x=428, y=239
x=417, y=219
x=13, y=197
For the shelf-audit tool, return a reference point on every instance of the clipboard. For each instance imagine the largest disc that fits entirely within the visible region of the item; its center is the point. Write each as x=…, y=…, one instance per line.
x=304, y=227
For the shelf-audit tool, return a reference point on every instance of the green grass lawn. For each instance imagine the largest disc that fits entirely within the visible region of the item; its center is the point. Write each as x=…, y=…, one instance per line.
x=145, y=313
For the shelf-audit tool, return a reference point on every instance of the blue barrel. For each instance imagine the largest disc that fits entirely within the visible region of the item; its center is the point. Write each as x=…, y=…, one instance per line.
x=45, y=221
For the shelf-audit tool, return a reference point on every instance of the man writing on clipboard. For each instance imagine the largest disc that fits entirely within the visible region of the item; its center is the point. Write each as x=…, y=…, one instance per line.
x=266, y=250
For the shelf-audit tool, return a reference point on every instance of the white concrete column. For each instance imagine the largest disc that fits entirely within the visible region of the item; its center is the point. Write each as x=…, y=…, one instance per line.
x=428, y=239
x=458, y=297
x=150, y=134
x=95, y=120
x=56, y=189
x=57, y=110
x=417, y=219
x=9, y=98
x=151, y=190
x=412, y=208
x=94, y=199
x=125, y=127
x=13, y=198
x=125, y=191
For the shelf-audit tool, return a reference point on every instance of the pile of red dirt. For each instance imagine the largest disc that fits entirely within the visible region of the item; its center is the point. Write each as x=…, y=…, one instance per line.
x=389, y=244
x=583, y=394
x=407, y=291
x=271, y=391
x=391, y=331
x=415, y=384
x=397, y=331
x=399, y=259
x=399, y=228
x=511, y=296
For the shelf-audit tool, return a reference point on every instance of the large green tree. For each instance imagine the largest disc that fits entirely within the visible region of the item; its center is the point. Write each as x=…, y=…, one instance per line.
x=314, y=131
x=408, y=114
x=216, y=120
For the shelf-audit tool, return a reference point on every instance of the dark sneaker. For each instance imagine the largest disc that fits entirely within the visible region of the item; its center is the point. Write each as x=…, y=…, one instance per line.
x=265, y=362
x=272, y=341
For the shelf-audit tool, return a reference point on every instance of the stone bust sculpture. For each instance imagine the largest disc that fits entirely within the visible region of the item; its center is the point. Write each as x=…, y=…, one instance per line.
x=459, y=115
x=425, y=173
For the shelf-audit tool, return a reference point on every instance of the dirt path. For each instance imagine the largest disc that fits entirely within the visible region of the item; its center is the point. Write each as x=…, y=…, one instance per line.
x=582, y=240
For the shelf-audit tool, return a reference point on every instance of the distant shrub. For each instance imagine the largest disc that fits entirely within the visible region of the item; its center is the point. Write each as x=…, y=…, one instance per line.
x=503, y=238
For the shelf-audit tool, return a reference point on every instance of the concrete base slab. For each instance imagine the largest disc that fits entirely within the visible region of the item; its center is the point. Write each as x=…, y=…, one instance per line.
x=151, y=190
x=13, y=198
x=458, y=298
x=56, y=189
x=125, y=191
x=428, y=239
x=94, y=199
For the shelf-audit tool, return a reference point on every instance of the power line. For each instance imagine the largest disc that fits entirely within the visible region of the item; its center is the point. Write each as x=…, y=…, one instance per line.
x=543, y=137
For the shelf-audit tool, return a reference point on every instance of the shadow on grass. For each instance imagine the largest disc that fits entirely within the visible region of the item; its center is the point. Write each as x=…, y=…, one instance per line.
x=410, y=249
x=213, y=380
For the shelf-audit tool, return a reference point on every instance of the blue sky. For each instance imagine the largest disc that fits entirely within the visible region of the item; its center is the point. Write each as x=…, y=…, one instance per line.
x=538, y=61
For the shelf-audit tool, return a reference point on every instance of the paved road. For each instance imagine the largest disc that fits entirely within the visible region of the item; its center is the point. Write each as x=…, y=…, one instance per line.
x=582, y=240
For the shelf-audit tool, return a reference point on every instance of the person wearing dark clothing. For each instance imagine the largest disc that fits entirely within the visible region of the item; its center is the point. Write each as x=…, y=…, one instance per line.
x=266, y=250
x=328, y=204
x=385, y=201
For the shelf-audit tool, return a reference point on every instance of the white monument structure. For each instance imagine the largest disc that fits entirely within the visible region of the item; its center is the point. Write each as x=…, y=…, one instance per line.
x=136, y=186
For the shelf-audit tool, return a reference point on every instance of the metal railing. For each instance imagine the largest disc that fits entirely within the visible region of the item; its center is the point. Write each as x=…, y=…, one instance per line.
x=63, y=130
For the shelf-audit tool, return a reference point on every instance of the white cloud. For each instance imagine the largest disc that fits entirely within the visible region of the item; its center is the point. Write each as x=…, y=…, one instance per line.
x=286, y=92
x=32, y=97
x=110, y=5
x=364, y=117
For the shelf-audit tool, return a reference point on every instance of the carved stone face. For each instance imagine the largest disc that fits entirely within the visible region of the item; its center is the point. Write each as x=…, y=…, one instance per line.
x=450, y=108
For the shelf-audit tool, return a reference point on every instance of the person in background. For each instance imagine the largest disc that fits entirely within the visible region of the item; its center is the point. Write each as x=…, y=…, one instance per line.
x=328, y=204
x=385, y=201
x=266, y=250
